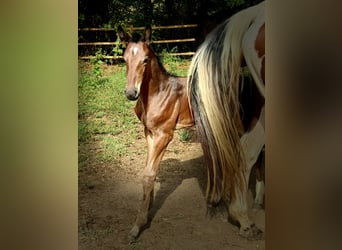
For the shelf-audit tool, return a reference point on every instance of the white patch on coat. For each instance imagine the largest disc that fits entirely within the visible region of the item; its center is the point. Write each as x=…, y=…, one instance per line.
x=135, y=50
x=259, y=192
x=253, y=61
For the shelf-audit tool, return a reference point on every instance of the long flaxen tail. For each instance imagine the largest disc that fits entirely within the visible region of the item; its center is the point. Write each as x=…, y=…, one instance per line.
x=214, y=82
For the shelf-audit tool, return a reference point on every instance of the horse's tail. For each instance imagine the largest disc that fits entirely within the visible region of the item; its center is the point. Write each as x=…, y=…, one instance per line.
x=214, y=78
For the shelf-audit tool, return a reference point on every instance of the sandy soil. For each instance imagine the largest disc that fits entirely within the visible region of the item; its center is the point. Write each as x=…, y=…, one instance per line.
x=109, y=196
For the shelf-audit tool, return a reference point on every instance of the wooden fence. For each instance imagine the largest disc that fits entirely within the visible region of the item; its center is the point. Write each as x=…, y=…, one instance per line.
x=131, y=29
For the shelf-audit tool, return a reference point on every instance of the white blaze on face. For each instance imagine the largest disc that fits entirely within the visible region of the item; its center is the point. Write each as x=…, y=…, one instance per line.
x=135, y=50
x=137, y=83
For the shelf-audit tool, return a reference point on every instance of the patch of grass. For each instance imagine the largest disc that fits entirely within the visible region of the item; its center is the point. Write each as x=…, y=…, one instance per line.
x=105, y=115
x=93, y=234
x=113, y=147
x=107, y=124
x=135, y=245
x=175, y=65
x=184, y=135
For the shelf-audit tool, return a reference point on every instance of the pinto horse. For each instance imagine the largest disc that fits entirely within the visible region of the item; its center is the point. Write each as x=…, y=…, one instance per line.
x=231, y=129
x=162, y=106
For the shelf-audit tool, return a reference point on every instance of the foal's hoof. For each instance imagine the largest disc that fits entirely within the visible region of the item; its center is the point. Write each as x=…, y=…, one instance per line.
x=251, y=233
x=133, y=234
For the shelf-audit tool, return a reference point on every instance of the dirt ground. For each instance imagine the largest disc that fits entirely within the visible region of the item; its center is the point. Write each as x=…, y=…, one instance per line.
x=109, y=196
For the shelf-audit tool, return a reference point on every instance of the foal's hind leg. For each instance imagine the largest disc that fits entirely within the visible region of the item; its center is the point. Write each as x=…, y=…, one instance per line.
x=252, y=143
x=157, y=142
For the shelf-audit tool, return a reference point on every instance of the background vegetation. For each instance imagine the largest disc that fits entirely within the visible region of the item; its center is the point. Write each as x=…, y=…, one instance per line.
x=111, y=13
x=106, y=122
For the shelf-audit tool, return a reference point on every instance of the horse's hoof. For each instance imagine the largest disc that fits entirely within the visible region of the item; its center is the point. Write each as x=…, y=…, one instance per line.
x=257, y=206
x=133, y=234
x=251, y=233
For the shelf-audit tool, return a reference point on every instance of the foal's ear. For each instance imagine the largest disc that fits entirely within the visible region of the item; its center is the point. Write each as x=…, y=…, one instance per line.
x=147, y=35
x=124, y=37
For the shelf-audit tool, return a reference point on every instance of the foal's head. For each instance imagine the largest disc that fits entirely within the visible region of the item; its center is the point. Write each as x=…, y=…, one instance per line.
x=137, y=56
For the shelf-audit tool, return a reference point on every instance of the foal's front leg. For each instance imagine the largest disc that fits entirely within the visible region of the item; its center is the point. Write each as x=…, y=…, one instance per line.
x=157, y=142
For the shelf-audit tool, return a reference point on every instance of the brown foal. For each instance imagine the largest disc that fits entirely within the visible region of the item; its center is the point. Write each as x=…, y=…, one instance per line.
x=162, y=106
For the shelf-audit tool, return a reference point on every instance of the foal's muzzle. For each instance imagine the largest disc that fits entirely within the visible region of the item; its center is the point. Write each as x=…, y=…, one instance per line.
x=132, y=94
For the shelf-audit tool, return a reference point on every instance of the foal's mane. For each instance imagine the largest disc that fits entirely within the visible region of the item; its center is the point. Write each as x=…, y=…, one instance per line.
x=159, y=62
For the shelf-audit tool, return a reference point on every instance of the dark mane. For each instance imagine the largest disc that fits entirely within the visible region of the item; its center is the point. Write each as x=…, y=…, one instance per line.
x=161, y=65
x=159, y=61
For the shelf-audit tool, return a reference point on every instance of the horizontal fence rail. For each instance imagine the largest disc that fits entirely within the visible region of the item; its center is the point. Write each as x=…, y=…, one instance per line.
x=142, y=28
x=118, y=57
x=159, y=41
x=131, y=28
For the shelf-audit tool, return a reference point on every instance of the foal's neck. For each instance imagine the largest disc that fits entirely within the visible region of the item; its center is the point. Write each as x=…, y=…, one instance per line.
x=159, y=75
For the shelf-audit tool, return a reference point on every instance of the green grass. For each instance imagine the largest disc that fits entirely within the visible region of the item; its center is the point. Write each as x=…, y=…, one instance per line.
x=94, y=234
x=175, y=65
x=107, y=125
x=106, y=117
x=184, y=135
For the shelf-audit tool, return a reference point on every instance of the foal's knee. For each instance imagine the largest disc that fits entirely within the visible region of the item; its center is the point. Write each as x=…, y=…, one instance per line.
x=148, y=183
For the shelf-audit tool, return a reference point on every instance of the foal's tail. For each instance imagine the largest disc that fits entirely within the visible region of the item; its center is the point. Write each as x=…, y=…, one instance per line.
x=214, y=81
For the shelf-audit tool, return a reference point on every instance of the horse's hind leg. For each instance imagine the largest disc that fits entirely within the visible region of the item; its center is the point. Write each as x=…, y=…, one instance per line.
x=259, y=185
x=252, y=143
x=157, y=143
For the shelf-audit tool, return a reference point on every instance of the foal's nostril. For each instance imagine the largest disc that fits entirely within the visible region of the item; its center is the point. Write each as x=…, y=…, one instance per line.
x=131, y=94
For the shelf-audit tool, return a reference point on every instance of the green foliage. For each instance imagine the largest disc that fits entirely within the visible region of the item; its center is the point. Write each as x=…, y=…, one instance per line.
x=170, y=61
x=184, y=135
x=233, y=3
x=105, y=116
x=97, y=62
x=111, y=13
x=174, y=64
x=117, y=50
x=167, y=58
x=139, y=13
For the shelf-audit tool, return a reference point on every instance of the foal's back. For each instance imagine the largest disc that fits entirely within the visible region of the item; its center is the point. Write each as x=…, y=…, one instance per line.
x=185, y=118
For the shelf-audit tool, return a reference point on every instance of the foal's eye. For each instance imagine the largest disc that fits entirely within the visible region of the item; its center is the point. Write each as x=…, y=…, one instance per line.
x=144, y=61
